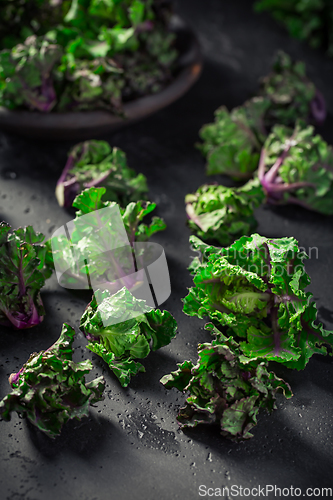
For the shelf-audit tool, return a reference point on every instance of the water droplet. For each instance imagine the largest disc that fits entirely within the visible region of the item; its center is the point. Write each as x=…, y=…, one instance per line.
x=9, y=174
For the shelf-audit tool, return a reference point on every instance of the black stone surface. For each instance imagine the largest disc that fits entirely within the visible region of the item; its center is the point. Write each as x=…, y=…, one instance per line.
x=130, y=447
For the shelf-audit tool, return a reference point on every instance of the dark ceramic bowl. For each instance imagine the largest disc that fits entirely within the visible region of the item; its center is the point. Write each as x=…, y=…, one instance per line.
x=87, y=124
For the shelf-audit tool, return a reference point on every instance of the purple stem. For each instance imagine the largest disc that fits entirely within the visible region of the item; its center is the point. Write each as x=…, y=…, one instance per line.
x=280, y=188
x=25, y=321
x=276, y=333
x=270, y=181
x=261, y=166
x=69, y=165
x=145, y=26
x=46, y=91
x=318, y=109
x=126, y=280
x=71, y=160
x=192, y=215
x=212, y=280
x=13, y=377
x=95, y=182
x=68, y=189
x=272, y=173
x=22, y=288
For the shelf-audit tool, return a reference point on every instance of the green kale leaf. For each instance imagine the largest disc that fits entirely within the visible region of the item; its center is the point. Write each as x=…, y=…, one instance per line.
x=25, y=265
x=50, y=388
x=255, y=291
x=95, y=163
x=296, y=166
x=232, y=143
x=91, y=84
x=225, y=388
x=75, y=55
x=25, y=74
x=309, y=20
x=291, y=94
x=224, y=214
x=135, y=330
x=93, y=240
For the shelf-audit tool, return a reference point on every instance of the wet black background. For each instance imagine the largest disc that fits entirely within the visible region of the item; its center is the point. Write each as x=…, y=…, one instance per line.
x=130, y=446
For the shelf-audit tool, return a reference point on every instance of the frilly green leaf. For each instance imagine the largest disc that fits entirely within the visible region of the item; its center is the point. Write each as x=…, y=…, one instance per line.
x=255, y=291
x=135, y=330
x=225, y=387
x=50, y=388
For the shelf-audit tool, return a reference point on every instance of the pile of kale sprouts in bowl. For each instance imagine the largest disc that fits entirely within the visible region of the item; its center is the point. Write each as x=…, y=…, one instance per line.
x=75, y=55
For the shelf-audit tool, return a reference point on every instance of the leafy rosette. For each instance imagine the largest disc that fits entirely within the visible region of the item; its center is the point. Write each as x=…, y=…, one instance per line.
x=95, y=163
x=25, y=74
x=305, y=20
x=101, y=234
x=232, y=143
x=224, y=214
x=50, y=388
x=135, y=330
x=291, y=94
x=255, y=290
x=225, y=388
x=23, y=271
x=296, y=166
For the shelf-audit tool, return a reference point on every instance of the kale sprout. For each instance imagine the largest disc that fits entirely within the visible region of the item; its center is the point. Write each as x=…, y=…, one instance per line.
x=224, y=214
x=232, y=143
x=291, y=94
x=135, y=331
x=255, y=291
x=25, y=265
x=95, y=163
x=226, y=388
x=50, y=388
x=296, y=166
x=310, y=20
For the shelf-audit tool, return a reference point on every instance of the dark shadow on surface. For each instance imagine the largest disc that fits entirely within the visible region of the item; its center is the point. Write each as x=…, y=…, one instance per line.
x=84, y=438
x=273, y=442
x=316, y=372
